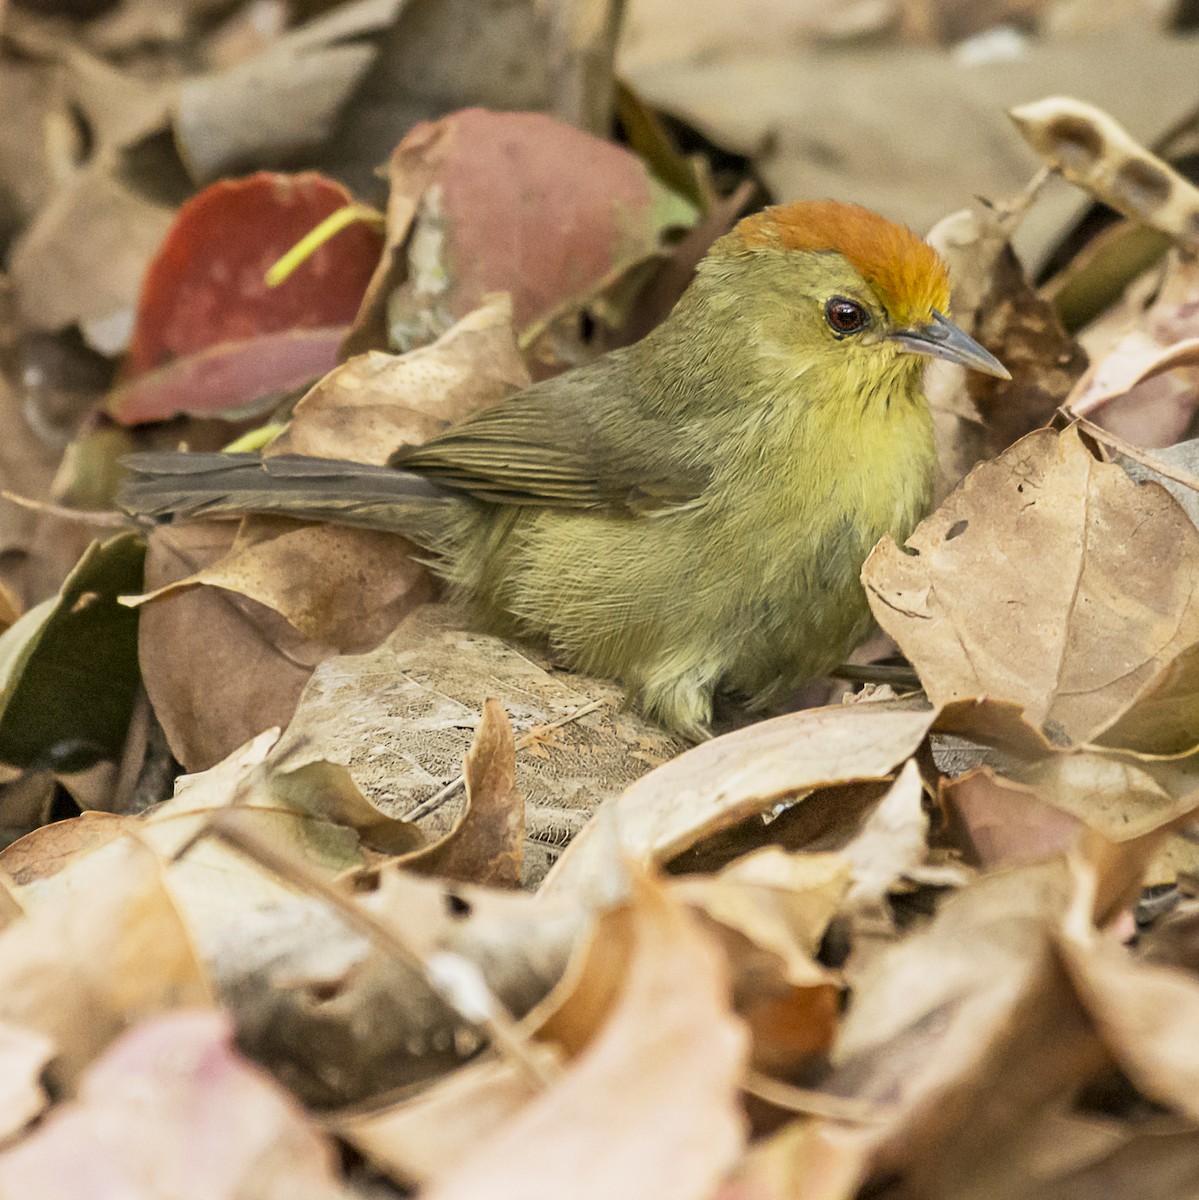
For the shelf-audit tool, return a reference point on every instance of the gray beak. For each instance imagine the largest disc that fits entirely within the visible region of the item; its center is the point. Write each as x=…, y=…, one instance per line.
x=941, y=338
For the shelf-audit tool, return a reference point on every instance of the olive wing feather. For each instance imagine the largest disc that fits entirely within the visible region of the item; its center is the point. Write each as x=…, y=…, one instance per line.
x=575, y=441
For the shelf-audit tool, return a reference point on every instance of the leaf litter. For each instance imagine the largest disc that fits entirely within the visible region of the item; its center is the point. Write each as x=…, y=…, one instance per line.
x=383, y=905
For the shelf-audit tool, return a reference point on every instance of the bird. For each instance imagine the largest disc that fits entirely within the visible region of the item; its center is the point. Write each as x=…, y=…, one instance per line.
x=688, y=514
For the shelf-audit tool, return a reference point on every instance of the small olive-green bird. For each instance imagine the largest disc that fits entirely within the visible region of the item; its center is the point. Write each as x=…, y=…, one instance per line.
x=689, y=514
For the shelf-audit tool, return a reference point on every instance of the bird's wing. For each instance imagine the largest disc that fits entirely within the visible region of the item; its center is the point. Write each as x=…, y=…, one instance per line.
x=576, y=441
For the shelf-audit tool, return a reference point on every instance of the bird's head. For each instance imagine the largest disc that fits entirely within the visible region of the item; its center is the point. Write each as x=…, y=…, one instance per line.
x=838, y=288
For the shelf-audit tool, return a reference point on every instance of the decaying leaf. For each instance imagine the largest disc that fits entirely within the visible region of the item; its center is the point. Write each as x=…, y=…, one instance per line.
x=81, y=973
x=487, y=202
x=999, y=822
x=1143, y=381
x=734, y=776
x=487, y=844
x=81, y=643
x=205, y=293
x=343, y=588
x=642, y=1071
x=402, y=718
x=1049, y=580
x=218, y=668
x=892, y=842
x=148, y=1113
x=370, y=406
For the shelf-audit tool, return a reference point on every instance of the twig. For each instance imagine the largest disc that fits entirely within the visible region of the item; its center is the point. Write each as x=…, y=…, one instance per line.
x=108, y=520
x=811, y=1102
x=891, y=673
x=1177, y=474
x=435, y=801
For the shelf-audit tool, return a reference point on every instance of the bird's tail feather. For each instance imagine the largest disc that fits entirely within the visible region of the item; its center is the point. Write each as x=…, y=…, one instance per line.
x=316, y=489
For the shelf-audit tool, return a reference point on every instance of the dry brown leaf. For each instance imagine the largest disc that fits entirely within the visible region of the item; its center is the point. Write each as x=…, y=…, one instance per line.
x=343, y=588
x=892, y=842
x=798, y=892
x=1146, y=1015
x=419, y=1139
x=994, y=301
x=83, y=257
x=770, y=910
x=416, y=1141
x=24, y=1055
x=48, y=849
x=370, y=406
x=345, y=1021
x=486, y=846
x=1145, y=355
x=218, y=668
x=967, y=1033
x=149, y=1112
x=1047, y=579
x=82, y=970
x=1121, y=795
x=283, y=102
x=998, y=822
x=668, y=1117
x=402, y=717
x=719, y=782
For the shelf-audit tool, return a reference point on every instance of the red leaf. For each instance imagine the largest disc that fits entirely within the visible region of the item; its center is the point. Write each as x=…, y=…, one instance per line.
x=227, y=377
x=206, y=285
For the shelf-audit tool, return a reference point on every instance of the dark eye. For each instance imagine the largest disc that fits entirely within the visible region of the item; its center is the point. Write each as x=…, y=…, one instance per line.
x=845, y=316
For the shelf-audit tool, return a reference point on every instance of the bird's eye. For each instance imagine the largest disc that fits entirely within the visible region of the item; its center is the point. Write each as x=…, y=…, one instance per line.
x=845, y=316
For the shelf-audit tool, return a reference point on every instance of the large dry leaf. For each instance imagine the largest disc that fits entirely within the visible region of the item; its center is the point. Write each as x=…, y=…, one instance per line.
x=375, y=403
x=343, y=588
x=968, y=1034
x=103, y=948
x=1145, y=1013
x=510, y=202
x=667, y=1117
x=281, y=103
x=148, y=1115
x=218, y=668
x=1047, y=579
x=720, y=782
x=402, y=717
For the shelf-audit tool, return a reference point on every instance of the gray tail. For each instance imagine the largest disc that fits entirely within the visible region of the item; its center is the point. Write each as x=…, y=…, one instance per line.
x=315, y=489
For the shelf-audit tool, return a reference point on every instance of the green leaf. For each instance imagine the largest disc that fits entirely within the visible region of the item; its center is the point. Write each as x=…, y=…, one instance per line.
x=68, y=667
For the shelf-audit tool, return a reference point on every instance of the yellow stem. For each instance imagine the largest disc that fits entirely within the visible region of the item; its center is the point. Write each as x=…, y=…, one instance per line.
x=312, y=241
